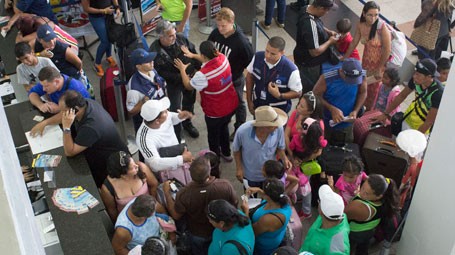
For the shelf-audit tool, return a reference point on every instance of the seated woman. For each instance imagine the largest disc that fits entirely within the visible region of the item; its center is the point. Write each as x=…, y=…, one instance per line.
x=376, y=201
x=271, y=217
x=27, y=24
x=126, y=180
x=232, y=228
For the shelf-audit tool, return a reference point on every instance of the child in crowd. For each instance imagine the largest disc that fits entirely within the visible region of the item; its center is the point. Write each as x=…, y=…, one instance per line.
x=27, y=71
x=343, y=28
x=306, y=147
x=348, y=185
x=274, y=169
x=214, y=162
x=443, y=69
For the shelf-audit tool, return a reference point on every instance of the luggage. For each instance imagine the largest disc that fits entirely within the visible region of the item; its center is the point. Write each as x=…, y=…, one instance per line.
x=107, y=94
x=182, y=174
x=332, y=158
x=297, y=230
x=364, y=125
x=382, y=156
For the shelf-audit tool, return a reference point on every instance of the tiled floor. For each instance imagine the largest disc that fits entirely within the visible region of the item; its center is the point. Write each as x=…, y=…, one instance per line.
x=398, y=10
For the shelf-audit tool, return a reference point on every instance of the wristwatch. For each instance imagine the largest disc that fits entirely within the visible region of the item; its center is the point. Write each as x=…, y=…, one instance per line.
x=67, y=130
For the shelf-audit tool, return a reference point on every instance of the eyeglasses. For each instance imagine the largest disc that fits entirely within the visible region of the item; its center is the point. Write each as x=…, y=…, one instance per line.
x=312, y=98
x=123, y=158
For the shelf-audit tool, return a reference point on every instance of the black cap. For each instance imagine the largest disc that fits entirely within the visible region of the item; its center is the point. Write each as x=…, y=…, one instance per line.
x=427, y=66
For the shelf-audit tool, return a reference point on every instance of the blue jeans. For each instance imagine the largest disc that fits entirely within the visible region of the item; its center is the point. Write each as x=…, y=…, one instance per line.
x=99, y=24
x=186, y=29
x=281, y=8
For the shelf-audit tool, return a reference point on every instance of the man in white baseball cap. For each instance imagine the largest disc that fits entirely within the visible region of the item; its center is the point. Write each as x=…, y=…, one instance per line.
x=329, y=234
x=157, y=131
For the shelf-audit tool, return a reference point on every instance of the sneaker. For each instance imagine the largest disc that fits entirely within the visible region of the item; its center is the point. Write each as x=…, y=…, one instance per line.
x=278, y=23
x=303, y=215
x=228, y=159
x=192, y=131
x=263, y=25
x=111, y=61
x=99, y=70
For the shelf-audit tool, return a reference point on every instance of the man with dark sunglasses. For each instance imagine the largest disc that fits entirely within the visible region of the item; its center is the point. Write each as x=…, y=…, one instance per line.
x=422, y=112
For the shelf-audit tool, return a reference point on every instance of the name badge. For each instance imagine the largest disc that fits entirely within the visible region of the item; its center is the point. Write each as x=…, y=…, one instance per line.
x=263, y=95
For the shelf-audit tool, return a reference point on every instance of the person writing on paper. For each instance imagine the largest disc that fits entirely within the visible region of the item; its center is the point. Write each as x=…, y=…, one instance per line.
x=157, y=131
x=89, y=129
x=343, y=90
x=51, y=87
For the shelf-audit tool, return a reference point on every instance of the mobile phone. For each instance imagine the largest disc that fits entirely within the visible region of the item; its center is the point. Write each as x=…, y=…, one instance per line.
x=173, y=187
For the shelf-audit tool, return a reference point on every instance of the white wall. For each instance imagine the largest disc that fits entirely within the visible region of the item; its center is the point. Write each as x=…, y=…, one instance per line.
x=430, y=226
x=18, y=231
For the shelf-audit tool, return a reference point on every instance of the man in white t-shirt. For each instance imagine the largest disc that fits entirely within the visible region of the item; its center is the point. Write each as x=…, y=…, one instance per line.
x=157, y=131
x=27, y=71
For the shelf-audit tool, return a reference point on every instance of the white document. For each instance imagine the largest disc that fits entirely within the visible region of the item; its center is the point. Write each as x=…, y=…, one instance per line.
x=52, y=138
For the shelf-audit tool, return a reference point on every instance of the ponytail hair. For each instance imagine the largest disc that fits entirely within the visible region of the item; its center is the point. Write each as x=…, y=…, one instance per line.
x=221, y=210
x=208, y=49
x=312, y=138
x=388, y=189
x=274, y=188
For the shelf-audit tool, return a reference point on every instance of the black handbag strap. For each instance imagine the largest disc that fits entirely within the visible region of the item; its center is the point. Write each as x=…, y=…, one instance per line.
x=239, y=246
x=279, y=218
x=420, y=96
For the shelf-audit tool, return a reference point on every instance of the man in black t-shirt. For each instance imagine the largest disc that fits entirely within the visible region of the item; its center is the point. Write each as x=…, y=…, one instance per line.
x=312, y=42
x=88, y=128
x=230, y=40
x=47, y=45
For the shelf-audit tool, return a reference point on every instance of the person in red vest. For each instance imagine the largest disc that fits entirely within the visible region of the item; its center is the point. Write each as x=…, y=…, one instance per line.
x=218, y=97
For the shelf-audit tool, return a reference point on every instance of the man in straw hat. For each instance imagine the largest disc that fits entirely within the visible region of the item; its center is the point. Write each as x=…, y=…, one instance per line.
x=257, y=141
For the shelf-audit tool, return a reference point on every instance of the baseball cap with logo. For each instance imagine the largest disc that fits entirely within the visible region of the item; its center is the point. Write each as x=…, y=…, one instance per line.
x=45, y=33
x=352, y=69
x=140, y=56
x=427, y=66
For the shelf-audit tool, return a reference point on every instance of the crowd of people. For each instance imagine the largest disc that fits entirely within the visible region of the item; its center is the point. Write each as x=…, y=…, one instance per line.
x=170, y=191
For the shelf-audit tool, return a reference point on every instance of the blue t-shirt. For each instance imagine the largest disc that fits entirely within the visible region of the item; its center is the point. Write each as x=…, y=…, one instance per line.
x=38, y=7
x=255, y=154
x=267, y=242
x=243, y=235
x=54, y=97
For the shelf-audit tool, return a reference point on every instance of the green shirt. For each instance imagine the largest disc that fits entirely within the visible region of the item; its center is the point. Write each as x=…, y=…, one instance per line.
x=173, y=10
x=333, y=240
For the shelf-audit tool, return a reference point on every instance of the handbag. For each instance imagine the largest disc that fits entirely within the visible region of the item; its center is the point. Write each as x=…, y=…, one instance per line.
x=172, y=151
x=426, y=35
x=120, y=34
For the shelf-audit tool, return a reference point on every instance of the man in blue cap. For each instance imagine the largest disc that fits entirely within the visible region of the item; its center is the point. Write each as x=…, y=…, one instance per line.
x=144, y=84
x=343, y=89
x=47, y=45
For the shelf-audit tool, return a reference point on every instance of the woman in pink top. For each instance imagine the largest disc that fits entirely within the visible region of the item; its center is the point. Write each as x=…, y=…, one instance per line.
x=126, y=180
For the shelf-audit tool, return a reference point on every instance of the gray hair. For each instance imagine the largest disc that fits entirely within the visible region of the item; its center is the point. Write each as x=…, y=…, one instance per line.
x=163, y=26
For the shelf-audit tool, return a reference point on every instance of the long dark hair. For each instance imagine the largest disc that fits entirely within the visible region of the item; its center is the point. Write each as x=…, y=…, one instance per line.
x=221, y=210
x=311, y=140
x=388, y=189
x=274, y=188
x=116, y=170
x=368, y=6
x=317, y=110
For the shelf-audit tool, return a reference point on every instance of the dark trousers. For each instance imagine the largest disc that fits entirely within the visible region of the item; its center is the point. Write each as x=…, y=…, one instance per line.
x=240, y=112
x=441, y=45
x=269, y=8
x=218, y=134
x=360, y=241
x=181, y=99
x=200, y=245
x=309, y=76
